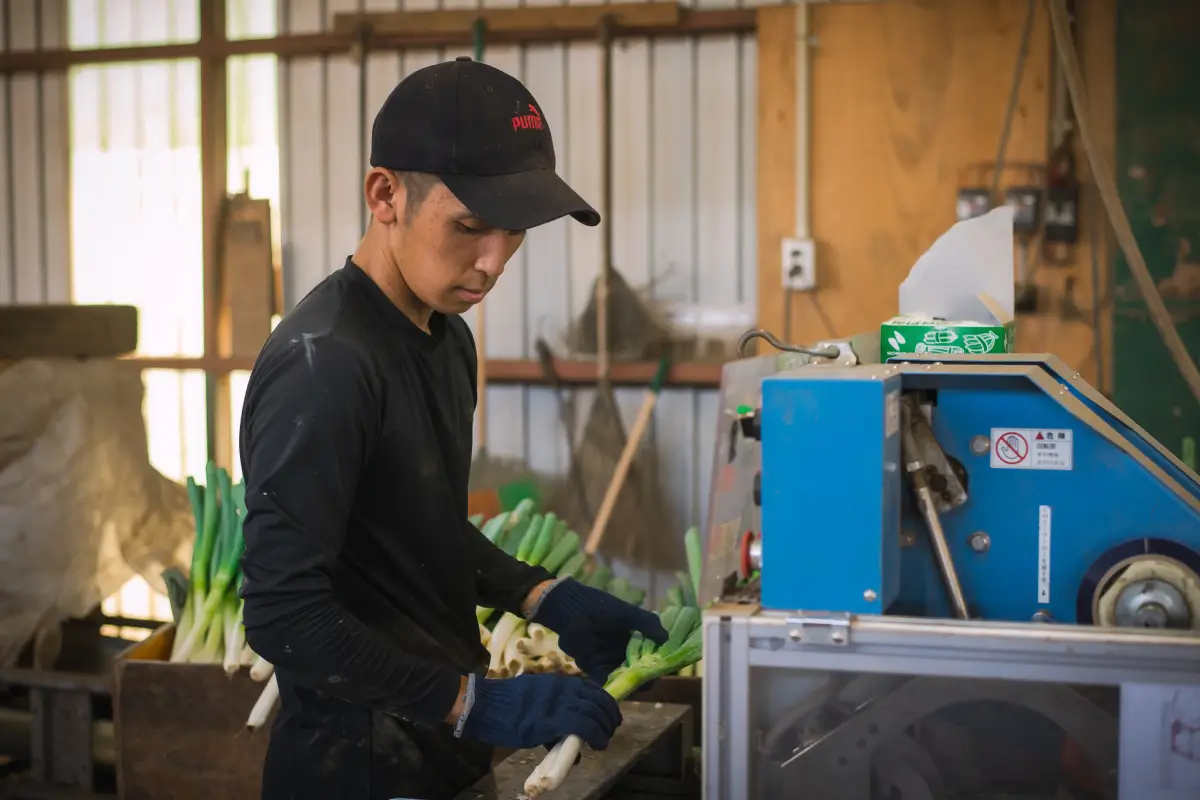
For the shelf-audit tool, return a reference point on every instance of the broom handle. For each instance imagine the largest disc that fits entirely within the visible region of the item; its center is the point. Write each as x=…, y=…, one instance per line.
x=606, y=34
x=623, y=463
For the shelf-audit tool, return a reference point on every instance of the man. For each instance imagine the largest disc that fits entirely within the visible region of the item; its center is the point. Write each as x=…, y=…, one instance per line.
x=362, y=573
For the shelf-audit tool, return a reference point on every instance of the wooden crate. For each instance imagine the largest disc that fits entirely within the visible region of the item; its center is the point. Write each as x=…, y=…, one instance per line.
x=181, y=728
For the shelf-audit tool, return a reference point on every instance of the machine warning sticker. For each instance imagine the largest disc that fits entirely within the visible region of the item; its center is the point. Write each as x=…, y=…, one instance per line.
x=891, y=414
x=1032, y=448
x=1043, y=592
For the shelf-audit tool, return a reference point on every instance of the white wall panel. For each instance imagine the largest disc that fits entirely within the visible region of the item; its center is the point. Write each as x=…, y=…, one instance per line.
x=683, y=205
x=34, y=196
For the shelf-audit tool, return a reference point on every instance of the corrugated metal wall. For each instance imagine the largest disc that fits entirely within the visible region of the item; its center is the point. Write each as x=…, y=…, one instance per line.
x=683, y=184
x=34, y=195
x=683, y=192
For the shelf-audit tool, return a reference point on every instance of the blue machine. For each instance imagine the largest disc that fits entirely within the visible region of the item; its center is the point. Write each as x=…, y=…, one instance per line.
x=1052, y=505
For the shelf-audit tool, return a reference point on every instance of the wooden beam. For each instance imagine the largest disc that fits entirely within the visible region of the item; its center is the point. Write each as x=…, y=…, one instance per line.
x=690, y=23
x=214, y=164
x=696, y=375
x=776, y=189
x=556, y=18
x=691, y=374
x=213, y=364
x=68, y=331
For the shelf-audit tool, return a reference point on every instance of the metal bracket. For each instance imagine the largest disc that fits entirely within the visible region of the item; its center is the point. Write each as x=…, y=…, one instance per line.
x=820, y=629
x=729, y=610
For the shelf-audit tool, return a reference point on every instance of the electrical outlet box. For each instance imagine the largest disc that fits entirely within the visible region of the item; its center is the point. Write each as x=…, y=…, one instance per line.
x=799, y=264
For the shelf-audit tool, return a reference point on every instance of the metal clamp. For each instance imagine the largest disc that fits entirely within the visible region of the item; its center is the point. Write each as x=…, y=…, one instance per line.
x=820, y=629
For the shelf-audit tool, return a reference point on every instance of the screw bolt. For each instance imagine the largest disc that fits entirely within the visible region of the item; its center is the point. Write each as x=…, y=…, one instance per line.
x=980, y=542
x=980, y=445
x=869, y=595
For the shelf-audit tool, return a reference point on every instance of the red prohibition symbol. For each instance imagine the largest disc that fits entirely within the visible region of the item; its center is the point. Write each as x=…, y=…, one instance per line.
x=1011, y=448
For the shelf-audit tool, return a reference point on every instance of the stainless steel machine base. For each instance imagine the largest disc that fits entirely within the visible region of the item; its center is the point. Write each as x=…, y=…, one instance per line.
x=894, y=708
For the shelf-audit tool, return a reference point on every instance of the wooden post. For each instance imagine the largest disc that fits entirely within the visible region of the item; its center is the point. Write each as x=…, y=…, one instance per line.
x=213, y=166
x=776, y=189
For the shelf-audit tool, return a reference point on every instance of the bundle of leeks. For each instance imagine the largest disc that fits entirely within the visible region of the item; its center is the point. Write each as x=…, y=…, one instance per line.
x=209, y=626
x=516, y=646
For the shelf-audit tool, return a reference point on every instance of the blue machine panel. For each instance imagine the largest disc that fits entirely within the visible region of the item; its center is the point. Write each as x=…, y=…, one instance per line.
x=1054, y=517
x=1050, y=526
x=831, y=489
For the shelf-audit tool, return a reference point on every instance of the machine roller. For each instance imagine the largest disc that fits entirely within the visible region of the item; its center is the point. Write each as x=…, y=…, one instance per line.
x=946, y=577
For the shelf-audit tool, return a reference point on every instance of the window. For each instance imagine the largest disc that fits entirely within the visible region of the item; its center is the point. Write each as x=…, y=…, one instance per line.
x=136, y=225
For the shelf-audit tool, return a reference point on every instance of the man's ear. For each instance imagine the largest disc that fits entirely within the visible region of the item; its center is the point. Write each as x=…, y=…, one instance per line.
x=384, y=194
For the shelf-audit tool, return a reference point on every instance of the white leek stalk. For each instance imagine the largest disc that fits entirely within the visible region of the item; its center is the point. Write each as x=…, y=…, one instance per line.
x=264, y=705
x=261, y=669
x=644, y=663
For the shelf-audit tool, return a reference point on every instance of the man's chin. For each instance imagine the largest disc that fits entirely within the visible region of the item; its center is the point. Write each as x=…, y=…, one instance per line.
x=455, y=305
x=461, y=300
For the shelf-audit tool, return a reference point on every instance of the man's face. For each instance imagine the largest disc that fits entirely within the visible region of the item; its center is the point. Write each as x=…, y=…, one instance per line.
x=448, y=258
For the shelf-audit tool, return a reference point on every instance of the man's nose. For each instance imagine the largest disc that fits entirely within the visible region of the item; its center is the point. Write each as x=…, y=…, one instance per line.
x=492, y=256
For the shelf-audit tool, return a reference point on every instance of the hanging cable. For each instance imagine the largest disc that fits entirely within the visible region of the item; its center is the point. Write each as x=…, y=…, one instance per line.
x=1014, y=92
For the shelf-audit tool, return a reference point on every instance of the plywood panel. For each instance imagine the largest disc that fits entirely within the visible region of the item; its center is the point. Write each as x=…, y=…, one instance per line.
x=905, y=96
x=775, y=159
x=1074, y=339
x=1065, y=323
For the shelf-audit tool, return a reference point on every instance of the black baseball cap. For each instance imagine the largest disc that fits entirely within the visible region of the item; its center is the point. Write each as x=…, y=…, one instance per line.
x=481, y=132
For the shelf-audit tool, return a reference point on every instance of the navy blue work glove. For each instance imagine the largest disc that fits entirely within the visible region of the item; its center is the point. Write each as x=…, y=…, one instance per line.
x=594, y=626
x=531, y=710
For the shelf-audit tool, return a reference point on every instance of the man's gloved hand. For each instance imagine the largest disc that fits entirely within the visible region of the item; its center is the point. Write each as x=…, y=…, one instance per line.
x=531, y=710
x=594, y=627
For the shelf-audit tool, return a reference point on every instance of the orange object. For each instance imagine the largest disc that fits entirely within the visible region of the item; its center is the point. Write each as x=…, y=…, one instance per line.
x=1078, y=772
x=486, y=502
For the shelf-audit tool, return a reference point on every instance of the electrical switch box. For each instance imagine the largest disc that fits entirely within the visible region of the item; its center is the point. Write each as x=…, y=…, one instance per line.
x=1062, y=214
x=972, y=202
x=1026, y=203
x=799, y=265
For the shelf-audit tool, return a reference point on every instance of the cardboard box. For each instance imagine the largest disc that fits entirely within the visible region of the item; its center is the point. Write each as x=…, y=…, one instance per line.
x=910, y=333
x=965, y=276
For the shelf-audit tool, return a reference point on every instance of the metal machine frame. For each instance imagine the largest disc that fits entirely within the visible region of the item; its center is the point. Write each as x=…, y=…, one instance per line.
x=798, y=703
x=745, y=646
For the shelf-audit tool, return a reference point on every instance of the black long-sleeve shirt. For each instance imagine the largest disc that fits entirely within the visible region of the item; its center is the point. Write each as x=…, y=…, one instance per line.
x=362, y=573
